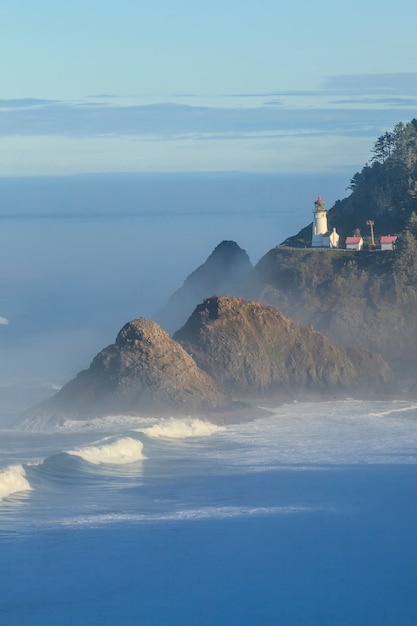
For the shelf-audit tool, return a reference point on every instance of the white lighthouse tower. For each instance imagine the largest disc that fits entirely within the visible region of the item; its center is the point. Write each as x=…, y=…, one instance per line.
x=321, y=237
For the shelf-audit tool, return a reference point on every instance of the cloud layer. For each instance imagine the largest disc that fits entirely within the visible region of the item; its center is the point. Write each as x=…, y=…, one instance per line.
x=273, y=131
x=347, y=105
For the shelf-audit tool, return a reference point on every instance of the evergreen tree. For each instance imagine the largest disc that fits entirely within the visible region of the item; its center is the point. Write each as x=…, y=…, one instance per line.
x=405, y=263
x=385, y=190
x=383, y=148
x=412, y=224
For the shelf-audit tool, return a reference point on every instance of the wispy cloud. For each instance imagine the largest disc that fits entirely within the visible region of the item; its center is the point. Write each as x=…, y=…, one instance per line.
x=400, y=82
x=171, y=120
x=379, y=100
x=328, y=127
x=4, y=321
x=23, y=103
x=404, y=84
x=103, y=95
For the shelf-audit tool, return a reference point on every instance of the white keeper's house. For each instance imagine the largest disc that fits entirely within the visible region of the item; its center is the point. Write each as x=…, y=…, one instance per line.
x=354, y=243
x=388, y=242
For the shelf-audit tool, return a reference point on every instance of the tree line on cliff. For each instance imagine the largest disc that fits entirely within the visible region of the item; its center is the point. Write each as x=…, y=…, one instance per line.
x=385, y=190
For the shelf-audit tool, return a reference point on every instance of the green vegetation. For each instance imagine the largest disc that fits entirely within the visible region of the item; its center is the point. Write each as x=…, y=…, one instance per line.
x=367, y=298
x=385, y=191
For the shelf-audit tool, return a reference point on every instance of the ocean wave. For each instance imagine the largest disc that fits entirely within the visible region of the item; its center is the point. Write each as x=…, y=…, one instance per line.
x=120, y=452
x=170, y=427
x=175, y=428
x=13, y=480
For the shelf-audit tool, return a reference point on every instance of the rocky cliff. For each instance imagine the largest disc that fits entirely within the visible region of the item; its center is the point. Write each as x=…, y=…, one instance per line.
x=223, y=273
x=228, y=347
x=366, y=299
x=143, y=372
x=355, y=299
x=253, y=349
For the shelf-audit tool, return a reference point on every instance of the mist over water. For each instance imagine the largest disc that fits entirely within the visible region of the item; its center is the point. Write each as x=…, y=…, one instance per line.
x=304, y=516
x=82, y=255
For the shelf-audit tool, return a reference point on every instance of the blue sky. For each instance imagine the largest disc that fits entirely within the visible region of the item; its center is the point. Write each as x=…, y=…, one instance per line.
x=178, y=86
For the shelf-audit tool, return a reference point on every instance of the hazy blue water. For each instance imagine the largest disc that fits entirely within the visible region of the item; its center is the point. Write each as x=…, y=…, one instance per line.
x=305, y=517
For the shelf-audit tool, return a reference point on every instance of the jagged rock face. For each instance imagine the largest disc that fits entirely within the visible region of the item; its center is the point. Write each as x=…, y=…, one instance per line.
x=143, y=372
x=353, y=298
x=251, y=348
x=224, y=272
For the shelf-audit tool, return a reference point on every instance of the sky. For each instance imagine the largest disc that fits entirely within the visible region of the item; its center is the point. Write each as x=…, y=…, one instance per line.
x=131, y=86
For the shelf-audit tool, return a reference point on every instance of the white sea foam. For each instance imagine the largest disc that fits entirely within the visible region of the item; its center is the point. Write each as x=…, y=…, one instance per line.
x=205, y=513
x=175, y=428
x=322, y=433
x=119, y=452
x=12, y=480
x=110, y=423
x=403, y=407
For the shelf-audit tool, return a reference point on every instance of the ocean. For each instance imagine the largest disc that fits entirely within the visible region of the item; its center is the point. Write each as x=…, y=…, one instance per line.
x=304, y=516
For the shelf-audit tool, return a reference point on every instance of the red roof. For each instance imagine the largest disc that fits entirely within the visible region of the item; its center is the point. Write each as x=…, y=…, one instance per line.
x=388, y=239
x=353, y=239
x=319, y=201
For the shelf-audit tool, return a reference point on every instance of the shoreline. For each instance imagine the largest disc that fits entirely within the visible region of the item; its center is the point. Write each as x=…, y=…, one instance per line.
x=247, y=410
x=241, y=410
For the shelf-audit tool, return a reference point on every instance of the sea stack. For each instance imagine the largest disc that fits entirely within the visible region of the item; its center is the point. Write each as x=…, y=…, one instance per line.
x=226, y=271
x=253, y=349
x=144, y=372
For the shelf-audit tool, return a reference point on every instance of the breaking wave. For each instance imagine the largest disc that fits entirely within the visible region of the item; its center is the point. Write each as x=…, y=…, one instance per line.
x=174, y=428
x=13, y=480
x=169, y=427
x=121, y=452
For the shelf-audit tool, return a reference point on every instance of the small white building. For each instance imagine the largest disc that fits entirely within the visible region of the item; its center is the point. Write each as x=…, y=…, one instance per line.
x=321, y=236
x=354, y=243
x=388, y=242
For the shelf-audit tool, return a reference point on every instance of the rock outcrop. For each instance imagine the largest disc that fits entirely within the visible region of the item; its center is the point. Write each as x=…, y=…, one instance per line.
x=353, y=298
x=223, y=273
x=252, y=349
x=143, y=372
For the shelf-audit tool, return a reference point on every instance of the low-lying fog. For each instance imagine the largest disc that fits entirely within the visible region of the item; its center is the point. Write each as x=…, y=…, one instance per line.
x=82, y=255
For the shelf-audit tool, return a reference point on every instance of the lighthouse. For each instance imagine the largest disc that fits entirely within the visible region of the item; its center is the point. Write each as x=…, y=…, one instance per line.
x=321, y=237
